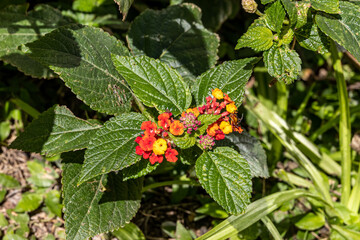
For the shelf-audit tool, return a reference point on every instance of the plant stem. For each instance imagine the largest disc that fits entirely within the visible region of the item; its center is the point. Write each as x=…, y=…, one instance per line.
x=166, y=183
x=143, y=109
x=344, y=126
x=271, y=227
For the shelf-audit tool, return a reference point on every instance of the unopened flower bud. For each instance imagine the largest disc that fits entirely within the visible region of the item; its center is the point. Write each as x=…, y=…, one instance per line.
x=249, y=6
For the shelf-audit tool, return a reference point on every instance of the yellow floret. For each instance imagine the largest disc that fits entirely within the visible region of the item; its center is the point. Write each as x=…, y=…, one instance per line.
x=226, y=127
x=231, y=108
x=160, y=146
x=217, y=93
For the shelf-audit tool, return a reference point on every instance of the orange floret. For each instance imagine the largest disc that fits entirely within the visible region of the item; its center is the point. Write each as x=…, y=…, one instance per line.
x=176, y=128
x=217, y=93
x=211, y=130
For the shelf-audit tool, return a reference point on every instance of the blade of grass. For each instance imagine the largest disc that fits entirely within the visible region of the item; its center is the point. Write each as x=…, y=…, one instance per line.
x=25, y=107
x=271, y=227
x=354, y=201
x=344, y=126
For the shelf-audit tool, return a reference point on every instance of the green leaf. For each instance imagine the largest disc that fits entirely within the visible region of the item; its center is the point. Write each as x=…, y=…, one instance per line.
x=52, y=201
x=206, y=120
x=139, y=169
x=310, y=37
x=343, y=28
x=113, y=147
x=2, y=195
x=21, y=223
x=102, y=205
x=264, y=2
x=154, y=83
x=311, y=221
x=11, y=236
x=282, y=63
x=250, y=148
x=55, y=131
x=129, y=232
x=8, y=182
x=175, y=36
x=216, y=13
x=257, y=38
x=226, y=176
x=213, y=210
x=181, y=232
x=29, y=202
x=78, y=55
x=4, y=130
x=274, y=16
x=231, y=77
x=328, y=6
x=184, y=142
x=3, y=221
x=124, y=6
x=41, y=176
x=298, y=12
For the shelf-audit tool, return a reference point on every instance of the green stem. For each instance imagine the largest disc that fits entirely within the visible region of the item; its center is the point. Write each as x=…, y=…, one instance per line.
x=344, y=126
x=143, y=110
x=271, y=227
x=354, y=202
x=166, y=183
x=25, y=107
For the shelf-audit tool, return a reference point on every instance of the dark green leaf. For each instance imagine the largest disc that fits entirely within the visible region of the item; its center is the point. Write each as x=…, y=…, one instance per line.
x=176, y=36
x=7, y=181
x=18, y=27
x=154, y=83
x=311, y=221
x=124, y=6
x=231, y=77
x=184, y=142
x=310, y=37
x=282, y=63
x=139, y=169
x=274, y=16
x=78, y=54
x=343, y=28
x=55, y=131
x=298, y=12
x=250, y=148
x=257, y=38
x=102, y=205
x=129, y=232
x=226, y=176
x=29, y=202
x=113, y=147
x=328, y=6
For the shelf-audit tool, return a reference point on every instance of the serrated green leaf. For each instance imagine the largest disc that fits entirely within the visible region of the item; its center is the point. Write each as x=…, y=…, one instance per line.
x=139, y=169
x=251, y=150
x=154, y=83
x=298, y=12
x=286, y=36
x=328, y=6
x=29, y=202
x=205, y=120
x=226, y=176
x=113, y=147
x=282, y=63
x=291, y=10
x=175, y=35
x=184, y=142
x=216, y=13
x=231, y=77
x=78, y=55
x=310, y=37
x=343, y=28
x=7, y=181
x=55, y=131
x=19, y=27
x=102, y=205
x=311, y=221
x=129, y=232
x=257, y=38
x=274, y=16
x=124, y=6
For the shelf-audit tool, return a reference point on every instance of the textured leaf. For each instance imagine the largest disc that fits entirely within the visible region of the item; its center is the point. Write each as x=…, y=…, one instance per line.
x=102, y=205
x=176, y=36
x=231, y=77
x=310, y=37
x=206, y=120
x=343, y=28
x=7, y=181
x=129, y=232
x=81, y=56
x=29, y=202
x=113, y=147
x=258, y=38
x=139, y=169
x=184, y=142
x=328, y=6
x=250, y=148
x=154, y=83
x=298, y=12
x=282, y=63
x=55, y=131
x=274, y=16
x=226, y=176
x=124, y=6
x=19, y=27
x=216, y=13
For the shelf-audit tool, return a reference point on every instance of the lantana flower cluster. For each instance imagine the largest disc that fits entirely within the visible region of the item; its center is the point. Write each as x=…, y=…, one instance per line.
x=155, y=143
